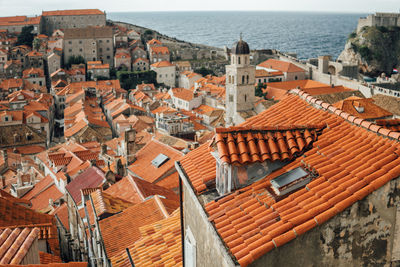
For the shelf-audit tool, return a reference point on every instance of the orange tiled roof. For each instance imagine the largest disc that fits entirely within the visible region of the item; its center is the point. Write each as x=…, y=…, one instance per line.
x=393, y=124
x=122, y=229
x=241, y=145
x=46, y=258
x=264, y=73
x=162, y=64
x=106, y=204
x=39, y=72
x=183, y=93
x=154, y=41
x=351, y=159
x=164, y=238
x=19, y=20
x=19, y=215
x=73, y=12
x=16, y=243
x=280, y=65
x=143, y=167
x=136, y=190
x=368, y=110
x=159, y=50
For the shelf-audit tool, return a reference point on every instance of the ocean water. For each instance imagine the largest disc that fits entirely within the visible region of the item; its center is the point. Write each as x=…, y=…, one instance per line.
x=306, y=33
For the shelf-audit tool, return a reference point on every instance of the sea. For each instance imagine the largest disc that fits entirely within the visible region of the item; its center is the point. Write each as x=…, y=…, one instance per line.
x=308, y=34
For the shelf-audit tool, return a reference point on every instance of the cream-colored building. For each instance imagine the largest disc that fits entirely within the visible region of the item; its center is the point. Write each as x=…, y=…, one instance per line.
x=165, y=72
x=240, y=80
x=188, y=78
x=68, y=19
x=91, y=43
x=53, y=63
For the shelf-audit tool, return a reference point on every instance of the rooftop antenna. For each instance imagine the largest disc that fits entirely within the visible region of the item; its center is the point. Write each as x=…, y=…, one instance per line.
x=241, y=34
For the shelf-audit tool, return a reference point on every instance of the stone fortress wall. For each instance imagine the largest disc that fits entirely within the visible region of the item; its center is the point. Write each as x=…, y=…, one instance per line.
x=379, y=19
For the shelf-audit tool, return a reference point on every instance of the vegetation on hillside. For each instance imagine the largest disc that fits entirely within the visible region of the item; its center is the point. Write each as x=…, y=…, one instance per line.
x=378, y=46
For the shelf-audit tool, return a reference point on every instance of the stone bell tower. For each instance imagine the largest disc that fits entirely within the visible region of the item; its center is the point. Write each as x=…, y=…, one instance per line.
x=240, y=80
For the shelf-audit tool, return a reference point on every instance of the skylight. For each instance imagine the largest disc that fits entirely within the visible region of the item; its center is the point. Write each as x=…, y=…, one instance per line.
x=290, y=181
x=159, y=160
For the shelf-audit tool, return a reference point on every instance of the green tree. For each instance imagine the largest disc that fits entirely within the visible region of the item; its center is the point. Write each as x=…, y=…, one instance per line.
x=129, y=79
x=203, y=71
x=74, y=60
x=259, y=90
x=26, y=36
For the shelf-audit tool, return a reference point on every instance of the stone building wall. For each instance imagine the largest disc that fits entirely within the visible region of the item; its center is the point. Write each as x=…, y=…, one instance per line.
x=361, y=235
x=209, y=250
x=52, y=23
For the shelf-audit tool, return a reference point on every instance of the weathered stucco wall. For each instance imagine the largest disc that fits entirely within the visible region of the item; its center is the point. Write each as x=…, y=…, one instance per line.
x=209, y=250
x=362, y=235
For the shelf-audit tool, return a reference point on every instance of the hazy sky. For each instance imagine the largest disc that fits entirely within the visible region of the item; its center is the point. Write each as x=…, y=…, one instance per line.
x=28, y=7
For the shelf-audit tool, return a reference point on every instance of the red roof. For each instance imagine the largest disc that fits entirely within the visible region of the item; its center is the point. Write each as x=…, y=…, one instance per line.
x=73, y=12
x=280, y=65
x=15, y=244
x=159, y=50
x=182, y=93
x=90, y=178
x=237, y=145
x=143, y=166
x=363, y=108
x=352, y=161
x=122, y=229
x=162, y=64
x=136, y=190
x=166, y=245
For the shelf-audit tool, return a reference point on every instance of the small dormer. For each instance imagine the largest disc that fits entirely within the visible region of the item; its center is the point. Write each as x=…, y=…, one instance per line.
x=357, y=105
x=245, y=155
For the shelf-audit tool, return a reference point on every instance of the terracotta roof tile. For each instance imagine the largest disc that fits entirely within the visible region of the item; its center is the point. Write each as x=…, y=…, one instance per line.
x=164, y=239
x=122, y=229
x=351, y=161
x=136, y=190
x=143, y=166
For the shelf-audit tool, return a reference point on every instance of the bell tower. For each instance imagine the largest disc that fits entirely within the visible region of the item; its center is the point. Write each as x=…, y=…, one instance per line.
x=240, y=80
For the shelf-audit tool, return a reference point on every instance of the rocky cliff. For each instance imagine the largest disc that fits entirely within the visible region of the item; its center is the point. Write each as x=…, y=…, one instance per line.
x=376, y=49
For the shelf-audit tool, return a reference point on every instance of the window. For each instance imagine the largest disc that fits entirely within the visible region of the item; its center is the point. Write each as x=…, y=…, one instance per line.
x=245, y=98
x=239, y=60
x=295, y=77
x=70, y=50
x=108, y=41
x=247, y=78
x=80, y=42
x=242, y=79
x=69, y=42
x=108, y=57
x=6, y=118
x=108, y=49
x=80, y=49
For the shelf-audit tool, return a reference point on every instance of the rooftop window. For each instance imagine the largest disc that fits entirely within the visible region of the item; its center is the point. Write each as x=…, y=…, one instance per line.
x=159, y=160
x=290, y=181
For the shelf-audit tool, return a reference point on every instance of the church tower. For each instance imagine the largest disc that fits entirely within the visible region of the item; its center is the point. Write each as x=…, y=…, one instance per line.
x=240, y=80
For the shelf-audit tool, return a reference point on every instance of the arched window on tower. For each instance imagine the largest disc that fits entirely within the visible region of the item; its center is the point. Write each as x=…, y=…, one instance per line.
x=245, y=98
x=245, y=60
x=247, y=78
x=238, y=60
x=230, y=79
x=243, y=79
